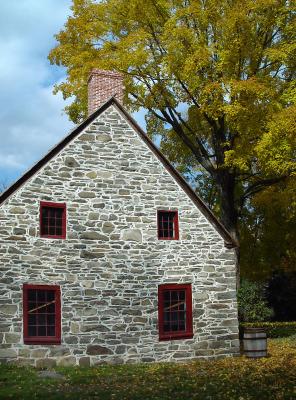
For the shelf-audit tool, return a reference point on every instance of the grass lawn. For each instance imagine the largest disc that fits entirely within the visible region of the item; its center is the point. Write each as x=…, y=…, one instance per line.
x=236, y=378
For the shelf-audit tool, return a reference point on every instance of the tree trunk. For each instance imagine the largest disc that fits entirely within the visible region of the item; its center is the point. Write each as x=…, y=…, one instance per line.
x=229, y=215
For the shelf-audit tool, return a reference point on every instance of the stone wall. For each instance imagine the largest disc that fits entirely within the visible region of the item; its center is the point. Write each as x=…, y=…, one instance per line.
x=111, y=263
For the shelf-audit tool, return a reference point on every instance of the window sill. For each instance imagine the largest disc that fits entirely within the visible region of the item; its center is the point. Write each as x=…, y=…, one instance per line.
x=52, y=237
x=42, y=341
x=176, y=336
x=160, y=238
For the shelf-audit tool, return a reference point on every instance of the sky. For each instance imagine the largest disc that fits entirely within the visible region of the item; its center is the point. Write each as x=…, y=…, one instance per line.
x=31, y=116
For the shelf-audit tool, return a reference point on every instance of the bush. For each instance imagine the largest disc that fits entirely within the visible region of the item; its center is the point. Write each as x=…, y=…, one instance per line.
x=252, y=306
x=273, y=329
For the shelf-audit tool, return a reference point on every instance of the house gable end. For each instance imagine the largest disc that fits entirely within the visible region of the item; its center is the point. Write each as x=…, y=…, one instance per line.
x=84, y=126
x=102, y=283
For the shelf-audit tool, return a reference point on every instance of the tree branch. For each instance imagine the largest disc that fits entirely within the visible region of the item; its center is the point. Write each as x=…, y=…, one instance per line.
x=260, y=185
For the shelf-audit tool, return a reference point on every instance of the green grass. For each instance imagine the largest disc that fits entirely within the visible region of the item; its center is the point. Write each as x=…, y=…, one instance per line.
x=236, y=378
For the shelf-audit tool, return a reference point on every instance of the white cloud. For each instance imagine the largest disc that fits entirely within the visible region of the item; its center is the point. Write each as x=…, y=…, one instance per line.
x=31, y=119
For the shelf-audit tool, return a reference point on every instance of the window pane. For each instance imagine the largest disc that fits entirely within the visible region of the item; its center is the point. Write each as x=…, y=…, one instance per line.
x=166, y=295
x=32, y=319
x=182, y=295
x=50, y=295
x=59, y=212
x=174, y=295
x=166, y=317
x=50, y=308
x=51, y=222
x=41, y=330
x=174, y=327
x=31, y=306
x=44, y=230
x=51, y=212
x=41, y=319
x=32, y=330
x=41, y=296
x=50, y=331
x=58, y=221
x=182, y=325
x=174, y=316
x=45, y=220
x=50, y=319
x=31, y=295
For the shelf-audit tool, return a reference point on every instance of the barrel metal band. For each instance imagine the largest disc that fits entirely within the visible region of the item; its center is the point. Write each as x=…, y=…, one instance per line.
x=255, y=351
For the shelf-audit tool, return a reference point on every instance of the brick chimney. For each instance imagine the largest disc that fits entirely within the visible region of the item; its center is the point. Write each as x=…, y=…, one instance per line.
x=101, y=86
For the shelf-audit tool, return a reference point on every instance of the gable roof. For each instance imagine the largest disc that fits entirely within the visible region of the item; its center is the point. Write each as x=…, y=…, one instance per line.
x=229, y=241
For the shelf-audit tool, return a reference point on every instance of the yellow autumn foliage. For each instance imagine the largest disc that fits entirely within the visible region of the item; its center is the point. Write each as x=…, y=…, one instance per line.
x=232, y=61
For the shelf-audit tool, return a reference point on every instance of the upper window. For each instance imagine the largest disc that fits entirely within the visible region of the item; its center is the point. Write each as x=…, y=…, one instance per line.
x=42, y=314
x=175, y=311
x=53, y=220
x=167, y=224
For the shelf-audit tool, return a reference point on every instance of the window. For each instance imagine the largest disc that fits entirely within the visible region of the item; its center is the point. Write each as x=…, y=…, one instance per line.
x=167, y=224
x=53, y=220
x=175, y=311
x=42, y=314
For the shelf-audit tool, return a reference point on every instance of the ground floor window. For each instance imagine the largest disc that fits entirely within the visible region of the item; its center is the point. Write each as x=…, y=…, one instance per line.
x=42, y=314
x=175, y=311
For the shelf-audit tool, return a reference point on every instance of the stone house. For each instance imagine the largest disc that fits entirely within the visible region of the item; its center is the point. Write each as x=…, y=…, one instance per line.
x=108, y=256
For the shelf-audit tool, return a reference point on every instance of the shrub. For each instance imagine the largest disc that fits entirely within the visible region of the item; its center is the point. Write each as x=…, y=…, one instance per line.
x=273, y=329
x=252, y=306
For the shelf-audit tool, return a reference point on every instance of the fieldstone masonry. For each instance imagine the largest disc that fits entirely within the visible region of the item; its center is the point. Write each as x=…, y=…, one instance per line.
x=111, y=263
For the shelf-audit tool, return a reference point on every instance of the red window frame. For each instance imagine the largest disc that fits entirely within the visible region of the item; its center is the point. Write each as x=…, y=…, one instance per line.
x=175, y=223
x=56, y=339
x=185, y=333
x=46, y=204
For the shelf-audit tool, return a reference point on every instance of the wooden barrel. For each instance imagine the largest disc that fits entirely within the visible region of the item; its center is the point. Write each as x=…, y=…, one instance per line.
x=255, y=342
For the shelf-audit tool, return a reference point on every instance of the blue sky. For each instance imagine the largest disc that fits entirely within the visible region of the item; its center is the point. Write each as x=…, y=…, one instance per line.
x=31, y=117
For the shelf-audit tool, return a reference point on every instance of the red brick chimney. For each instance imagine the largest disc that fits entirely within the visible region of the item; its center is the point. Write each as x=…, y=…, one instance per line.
x=101, y=86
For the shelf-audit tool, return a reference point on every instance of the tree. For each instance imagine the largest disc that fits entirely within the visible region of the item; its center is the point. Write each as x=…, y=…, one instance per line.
x=217, y=79
x=268, y=233
x=281, y=295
